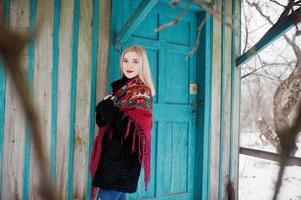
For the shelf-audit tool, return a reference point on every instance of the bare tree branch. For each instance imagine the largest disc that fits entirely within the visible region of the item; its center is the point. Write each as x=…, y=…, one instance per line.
x=294, y=81
x=263, y=67
x=287, y=10
x=177, y=19
x=295, y=47
x=217, y=14
x=278, y=3
x=197, y=42
x=271, y=78
x=174, y=3
x=204, y=6
x=246, y=30
x=268, y=133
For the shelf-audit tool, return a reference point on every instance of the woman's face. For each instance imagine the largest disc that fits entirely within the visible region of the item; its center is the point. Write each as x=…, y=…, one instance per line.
x=131, y=64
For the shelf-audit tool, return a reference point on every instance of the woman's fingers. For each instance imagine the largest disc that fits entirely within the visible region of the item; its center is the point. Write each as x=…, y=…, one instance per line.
x=108, y=96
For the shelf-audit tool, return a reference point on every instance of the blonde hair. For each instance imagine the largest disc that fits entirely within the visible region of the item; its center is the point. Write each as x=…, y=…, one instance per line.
x=144, y=72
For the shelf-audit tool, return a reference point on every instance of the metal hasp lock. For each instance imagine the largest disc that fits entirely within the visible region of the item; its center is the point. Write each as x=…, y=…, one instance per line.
x=193, y=88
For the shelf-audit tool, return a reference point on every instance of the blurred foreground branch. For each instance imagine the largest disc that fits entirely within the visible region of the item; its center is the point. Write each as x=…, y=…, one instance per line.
x=287, y=143
x=11, y=46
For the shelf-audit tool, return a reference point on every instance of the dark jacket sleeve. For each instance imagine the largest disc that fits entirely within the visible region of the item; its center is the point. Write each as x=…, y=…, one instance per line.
x=106, y=112
x=99, y=120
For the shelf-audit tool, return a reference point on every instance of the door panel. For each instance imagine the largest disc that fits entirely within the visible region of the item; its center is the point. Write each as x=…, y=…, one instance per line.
x=177, y=79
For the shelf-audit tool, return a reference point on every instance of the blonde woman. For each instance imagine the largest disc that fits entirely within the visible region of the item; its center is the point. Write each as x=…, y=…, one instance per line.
x=123, y=144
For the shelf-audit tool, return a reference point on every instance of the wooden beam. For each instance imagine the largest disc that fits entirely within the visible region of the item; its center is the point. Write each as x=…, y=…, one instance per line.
x=269, y=156
x=134, y=21
x=271, y=35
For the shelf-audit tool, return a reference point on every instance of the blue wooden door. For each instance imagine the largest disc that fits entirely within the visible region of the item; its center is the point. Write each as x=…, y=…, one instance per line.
x=174, y=130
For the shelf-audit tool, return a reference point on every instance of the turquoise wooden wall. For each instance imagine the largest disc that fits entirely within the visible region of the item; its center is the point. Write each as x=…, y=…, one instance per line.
x=67, y=67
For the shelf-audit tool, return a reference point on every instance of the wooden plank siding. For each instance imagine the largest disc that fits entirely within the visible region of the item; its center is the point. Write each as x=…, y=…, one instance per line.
x=42, y=90
x=215, y=107
x=236, y=96
x=30, y=75
x=82, y=101
x=225, y=97
x=67, y=70
x=14, y=135
x=226, y=94
x=4, y=16
x=63, y=95
x=103, y=49
x=100, y=61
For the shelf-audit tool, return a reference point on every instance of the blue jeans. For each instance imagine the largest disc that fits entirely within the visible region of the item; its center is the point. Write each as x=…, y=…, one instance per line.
x=104, y=194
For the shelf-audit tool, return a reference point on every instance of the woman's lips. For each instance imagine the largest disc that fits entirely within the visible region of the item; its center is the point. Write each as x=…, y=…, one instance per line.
x=129, y=71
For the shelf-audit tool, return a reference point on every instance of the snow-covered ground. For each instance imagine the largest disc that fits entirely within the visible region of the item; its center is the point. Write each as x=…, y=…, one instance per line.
x=257, y=177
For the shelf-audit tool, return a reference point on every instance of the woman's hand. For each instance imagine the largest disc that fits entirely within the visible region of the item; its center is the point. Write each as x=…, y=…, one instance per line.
x=106, y=110
x=108, y=96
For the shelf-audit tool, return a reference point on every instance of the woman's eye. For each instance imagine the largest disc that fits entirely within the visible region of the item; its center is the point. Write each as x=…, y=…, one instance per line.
x=136, y=62
x=125, y=61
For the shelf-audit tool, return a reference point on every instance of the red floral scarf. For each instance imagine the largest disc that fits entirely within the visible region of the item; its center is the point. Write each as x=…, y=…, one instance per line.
x=135, y=100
